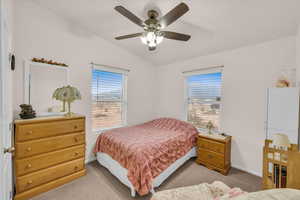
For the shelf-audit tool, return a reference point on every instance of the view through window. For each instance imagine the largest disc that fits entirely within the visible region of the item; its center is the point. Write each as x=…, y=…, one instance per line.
x=204, y=98
x=108, y=99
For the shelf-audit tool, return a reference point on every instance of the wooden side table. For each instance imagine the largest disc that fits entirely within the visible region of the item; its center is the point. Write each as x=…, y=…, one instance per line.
x=214, y=152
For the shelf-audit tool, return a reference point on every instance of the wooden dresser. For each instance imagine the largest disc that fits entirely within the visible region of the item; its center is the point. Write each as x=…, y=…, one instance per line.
x=214, y=153
x=49, y=152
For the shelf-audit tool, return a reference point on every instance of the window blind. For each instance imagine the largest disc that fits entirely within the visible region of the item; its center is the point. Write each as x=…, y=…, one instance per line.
x=203, y=99
x=108, y=99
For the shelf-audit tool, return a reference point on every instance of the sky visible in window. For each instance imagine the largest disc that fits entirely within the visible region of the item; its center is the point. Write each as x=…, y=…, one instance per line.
x=106, y=85
x=205, y=86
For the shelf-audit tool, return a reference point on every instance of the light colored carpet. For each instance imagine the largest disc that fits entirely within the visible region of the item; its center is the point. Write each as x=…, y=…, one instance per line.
x=99, y=184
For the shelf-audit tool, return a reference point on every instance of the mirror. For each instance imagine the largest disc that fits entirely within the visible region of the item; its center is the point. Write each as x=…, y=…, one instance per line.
x=283, y=113
x=41, y=80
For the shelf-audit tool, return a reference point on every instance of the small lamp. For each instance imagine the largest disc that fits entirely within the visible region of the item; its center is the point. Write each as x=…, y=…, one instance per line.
x=67, y=94
x=56, y=95
x=281, y=141
x=210, y=126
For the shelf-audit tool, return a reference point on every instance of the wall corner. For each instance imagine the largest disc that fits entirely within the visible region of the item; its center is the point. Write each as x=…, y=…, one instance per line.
x=298, y=56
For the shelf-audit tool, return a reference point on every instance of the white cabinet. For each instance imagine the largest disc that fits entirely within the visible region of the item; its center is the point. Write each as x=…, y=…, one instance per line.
x=283, y=113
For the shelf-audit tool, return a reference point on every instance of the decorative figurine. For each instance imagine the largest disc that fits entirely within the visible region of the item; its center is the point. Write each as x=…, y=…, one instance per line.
x=287, y=78
x=282, y=83
x=27, y=112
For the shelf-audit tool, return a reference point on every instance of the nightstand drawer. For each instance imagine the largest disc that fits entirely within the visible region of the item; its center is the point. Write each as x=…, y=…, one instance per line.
x=211, y=145
x=211, y=158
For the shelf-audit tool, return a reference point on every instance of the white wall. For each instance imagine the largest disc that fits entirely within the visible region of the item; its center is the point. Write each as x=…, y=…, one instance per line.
x=40, y=33
x=248, y=72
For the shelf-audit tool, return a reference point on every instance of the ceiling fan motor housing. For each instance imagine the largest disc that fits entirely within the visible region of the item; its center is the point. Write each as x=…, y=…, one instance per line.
x=152, y=14
x=152, y=22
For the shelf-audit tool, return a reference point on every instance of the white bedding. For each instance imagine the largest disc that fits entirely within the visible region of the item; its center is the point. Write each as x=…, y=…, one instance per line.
x=219, y=191
x=121, y=173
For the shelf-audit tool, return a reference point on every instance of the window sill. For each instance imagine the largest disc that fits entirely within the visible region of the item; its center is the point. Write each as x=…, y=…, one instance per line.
x=101, y=130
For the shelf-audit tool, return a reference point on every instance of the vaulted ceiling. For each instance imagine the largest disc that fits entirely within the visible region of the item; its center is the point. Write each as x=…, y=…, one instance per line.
x=215, y=25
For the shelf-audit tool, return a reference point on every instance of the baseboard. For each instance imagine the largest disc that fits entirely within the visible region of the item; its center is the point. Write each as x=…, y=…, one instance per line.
x=247, y=170
x=90, y=159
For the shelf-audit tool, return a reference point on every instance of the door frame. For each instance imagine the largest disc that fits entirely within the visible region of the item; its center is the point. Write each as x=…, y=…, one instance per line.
x=5, y=180
x=1, y=99
x=2, y=178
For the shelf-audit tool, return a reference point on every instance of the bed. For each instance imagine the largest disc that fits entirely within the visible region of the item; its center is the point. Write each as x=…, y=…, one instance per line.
x=143, y=156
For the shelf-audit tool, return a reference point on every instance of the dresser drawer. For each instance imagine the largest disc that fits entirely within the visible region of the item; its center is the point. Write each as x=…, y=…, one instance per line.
x=32, y=180
x=28, y=165
x=211, y=145
x=211, y=158
x=34, y=147
x=25, y=132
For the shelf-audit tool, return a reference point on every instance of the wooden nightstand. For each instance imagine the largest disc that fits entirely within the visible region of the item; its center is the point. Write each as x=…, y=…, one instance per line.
x=214, y=153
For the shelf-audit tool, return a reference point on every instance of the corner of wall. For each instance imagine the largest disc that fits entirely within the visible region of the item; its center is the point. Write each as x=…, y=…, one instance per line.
x=298, y=55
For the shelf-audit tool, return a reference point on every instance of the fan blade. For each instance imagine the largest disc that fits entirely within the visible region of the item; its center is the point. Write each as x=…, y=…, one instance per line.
x=176, y=36
x=132, y=17
x=174, y=14
x=129, y=36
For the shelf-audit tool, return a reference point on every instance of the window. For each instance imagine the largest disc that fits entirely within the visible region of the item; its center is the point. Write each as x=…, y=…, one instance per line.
x=109, y=99
x=204, y=99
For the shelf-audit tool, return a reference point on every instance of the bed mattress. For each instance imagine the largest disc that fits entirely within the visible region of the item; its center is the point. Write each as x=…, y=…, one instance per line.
x=121, y=173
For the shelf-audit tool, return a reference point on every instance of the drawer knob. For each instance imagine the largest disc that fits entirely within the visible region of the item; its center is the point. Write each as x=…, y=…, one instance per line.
x=75, y=127
x=76, y=153
x=29, y=133
x=210, y=156
x=76, y=139
x=29, y=166
x=76, y=168
x=29, y=182
x=28, y=149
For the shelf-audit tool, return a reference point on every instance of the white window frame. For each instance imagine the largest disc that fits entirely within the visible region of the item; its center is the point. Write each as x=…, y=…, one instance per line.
x=207, y=70
x=124, y=96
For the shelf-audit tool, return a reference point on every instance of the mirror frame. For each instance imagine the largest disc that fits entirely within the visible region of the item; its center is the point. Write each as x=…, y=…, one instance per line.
x=26, y=76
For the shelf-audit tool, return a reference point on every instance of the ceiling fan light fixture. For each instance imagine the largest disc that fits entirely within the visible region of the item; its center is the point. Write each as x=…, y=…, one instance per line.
x=152, y=39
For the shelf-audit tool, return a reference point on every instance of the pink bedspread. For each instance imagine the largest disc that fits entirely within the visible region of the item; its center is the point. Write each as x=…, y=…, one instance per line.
x=147, y=149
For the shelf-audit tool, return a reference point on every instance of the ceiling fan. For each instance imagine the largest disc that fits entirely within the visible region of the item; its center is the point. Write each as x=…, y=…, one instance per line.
x=153, y=34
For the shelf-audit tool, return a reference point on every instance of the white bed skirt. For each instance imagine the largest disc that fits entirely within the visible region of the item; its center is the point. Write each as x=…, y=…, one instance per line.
x=121, y=173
